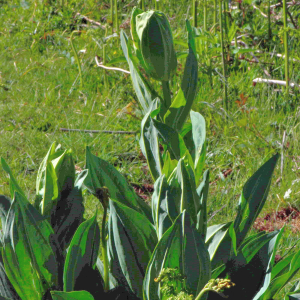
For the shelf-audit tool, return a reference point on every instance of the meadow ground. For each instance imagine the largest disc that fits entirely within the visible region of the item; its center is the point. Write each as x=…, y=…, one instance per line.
x=41, y=92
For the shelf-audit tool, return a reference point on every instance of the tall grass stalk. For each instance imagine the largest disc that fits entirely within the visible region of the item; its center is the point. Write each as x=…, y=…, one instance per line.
x=104, y=61
x=223, y=57
x=205, y=15
x=215, y=15
x=116, y=17
x=286, y=51
x=142, y=5
x=112, y=15
x=77, y=58
x=156, y=4
x=269, y=21
x=194, y=10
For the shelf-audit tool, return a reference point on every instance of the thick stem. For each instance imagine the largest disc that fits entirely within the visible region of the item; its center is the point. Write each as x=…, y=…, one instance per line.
x=77, y=59
x=286, y=54
x=195, y=4
x=104, y=251
x=167, y=93
x=201, y=294
x=223, y=56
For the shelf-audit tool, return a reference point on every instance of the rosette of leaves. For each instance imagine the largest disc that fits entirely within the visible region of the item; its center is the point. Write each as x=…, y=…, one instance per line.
x=48, y=250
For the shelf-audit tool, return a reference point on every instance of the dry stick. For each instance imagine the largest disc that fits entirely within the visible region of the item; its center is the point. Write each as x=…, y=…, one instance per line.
x=99, y=64
x=90, y=21
x=98, y=131
x=272, y=81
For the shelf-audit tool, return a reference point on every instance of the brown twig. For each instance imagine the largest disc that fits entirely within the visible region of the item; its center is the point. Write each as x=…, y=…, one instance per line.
x=90, y=20
x=98, y=131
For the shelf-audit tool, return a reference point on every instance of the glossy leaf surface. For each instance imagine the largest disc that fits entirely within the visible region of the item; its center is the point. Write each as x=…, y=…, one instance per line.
x=83, y=251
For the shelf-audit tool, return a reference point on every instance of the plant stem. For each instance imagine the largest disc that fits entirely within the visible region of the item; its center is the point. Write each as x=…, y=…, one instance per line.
x=112, y=15
x=286, y=52
x=201, y=294
x=223, y=56
x=215, y=15
x=167, y=93
x=116, y=17
x=104, y=61
x=104, y=251
x=156, y=5
x=77, y=59
x=142, y=5
x=195, y=4
x=205, y=15
x=269, y=21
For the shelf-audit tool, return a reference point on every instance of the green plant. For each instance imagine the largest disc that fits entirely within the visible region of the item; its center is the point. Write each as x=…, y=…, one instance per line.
x=141, y=240
x=286, y=51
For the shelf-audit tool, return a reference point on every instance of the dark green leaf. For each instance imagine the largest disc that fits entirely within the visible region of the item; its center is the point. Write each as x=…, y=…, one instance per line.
x=162, y=221
x=82, y=295
x=29, y=260
x=5, y=203
x=181, y=105
x=149, y=142
x=103, y=174
x=253, y=198
x=132, y=239
x=83, y=251
x=172, y=139
x=141, y=87
x=181, y=246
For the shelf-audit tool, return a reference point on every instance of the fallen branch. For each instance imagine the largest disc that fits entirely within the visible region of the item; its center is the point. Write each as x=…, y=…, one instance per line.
x=98, y=131
x=90, y=20
x=99, y=64
x=273, y=81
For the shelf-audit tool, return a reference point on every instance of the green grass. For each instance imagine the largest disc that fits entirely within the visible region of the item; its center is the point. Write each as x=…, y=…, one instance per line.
x=40, y=93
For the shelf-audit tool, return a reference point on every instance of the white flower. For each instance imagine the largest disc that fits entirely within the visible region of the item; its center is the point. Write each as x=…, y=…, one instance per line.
x=287, y=194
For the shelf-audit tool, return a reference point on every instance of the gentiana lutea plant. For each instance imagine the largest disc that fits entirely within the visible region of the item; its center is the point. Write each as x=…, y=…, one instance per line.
x=158, y=252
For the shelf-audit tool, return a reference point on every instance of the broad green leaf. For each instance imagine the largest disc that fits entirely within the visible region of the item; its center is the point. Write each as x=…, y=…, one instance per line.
x=83, y=251
x=80, y=295
x=67, y=215
x=65, y=171
x=253, y=198
x=7, y=290
x=252, y=265
x=13, y=184
x=141, y=87
x=280, y=282
x=272, y=249
x=50, y=191
x=103, y=174
x=112, y=280
x=199, y=136
x=132, y=239
x=136, y=41
x=52, y=153
x=156, y=44
x=215, y=242
x=5, y=203
x=293, y=296
x=172, y=139
x=149, y=143
x=29, y=260
x=201, y=206
x=169, y=165
x=182, y=103
x=162, y=221
x=181, y=246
